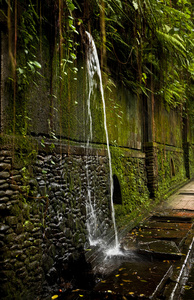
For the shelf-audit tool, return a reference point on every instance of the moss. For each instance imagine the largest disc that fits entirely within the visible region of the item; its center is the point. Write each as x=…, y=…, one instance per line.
x=167, y=179
x=130, y=172
x=28, y=226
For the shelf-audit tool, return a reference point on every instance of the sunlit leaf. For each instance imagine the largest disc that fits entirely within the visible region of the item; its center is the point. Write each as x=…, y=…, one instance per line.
x=187, y=287
x=131, y=293
x=117, y=275
x=103, y=281
x=54, y=297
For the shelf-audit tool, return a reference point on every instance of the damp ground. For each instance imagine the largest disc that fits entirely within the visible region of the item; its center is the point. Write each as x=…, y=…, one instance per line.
x=156, y=261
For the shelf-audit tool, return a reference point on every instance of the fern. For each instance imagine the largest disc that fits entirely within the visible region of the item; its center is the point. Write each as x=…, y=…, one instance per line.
x=171, y=42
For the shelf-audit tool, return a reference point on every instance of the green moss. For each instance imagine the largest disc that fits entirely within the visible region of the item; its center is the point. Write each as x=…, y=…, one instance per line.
x=130, y=172
x=167, y=178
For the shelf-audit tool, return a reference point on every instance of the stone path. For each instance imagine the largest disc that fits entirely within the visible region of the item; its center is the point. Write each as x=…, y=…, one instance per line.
x=183, y=199
x=158, y=257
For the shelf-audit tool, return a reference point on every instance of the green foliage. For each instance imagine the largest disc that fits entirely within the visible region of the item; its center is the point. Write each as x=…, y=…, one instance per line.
x=151, y=40
x=28, y=41
x=68, y=35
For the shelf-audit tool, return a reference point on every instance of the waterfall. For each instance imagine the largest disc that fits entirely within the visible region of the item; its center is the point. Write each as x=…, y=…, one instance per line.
x=93, y=67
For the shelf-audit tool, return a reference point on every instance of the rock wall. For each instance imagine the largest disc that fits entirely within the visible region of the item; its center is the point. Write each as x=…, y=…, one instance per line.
x=20, y=231
x=43, y=216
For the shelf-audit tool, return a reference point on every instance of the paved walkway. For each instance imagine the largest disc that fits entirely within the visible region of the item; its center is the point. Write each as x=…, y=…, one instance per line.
x=183, y=199
x=158, y=256
x=165, y=241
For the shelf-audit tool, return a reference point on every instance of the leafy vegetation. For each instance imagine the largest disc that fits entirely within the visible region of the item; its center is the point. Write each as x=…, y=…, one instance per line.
x=150, y=43
x=145, y=44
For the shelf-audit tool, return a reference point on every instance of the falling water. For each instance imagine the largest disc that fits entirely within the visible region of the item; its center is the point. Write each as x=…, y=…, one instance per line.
x=93, y=68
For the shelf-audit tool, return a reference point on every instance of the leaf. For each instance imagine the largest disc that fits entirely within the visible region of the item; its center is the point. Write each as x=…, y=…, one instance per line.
x=54, y=297
x=117, y=275
x=135, y=5
x=36, y=63
x=187, y=287
x=131, y=293
x=126, y=280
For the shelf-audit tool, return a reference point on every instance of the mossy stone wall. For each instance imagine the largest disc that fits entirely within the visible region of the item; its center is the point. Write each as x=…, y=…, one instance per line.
x=170, y=167
x=43, y=209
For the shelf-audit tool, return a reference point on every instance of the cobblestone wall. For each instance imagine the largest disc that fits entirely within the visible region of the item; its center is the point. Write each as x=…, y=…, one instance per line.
x=43, y=218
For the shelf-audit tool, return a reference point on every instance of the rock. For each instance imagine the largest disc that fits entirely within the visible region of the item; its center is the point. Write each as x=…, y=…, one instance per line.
x=4, y=175
x=14, y=187
x=4, y=199
x=12, y=220
x=4, y=186
x=5, y=166
x=3, y=207
x=9, y=193
x=11, y=237
x=28, y=226
x=2, y=194
x=4, y=228
x=52, y=275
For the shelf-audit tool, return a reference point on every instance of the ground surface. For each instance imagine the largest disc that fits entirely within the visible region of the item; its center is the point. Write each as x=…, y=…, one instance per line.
x=158, y=257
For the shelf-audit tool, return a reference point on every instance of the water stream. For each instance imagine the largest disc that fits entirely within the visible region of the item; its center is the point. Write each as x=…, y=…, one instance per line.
x=93, y=67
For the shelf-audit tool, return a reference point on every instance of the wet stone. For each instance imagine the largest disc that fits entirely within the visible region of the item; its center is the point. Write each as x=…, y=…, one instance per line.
x=14, y=187
x=12, y=220
x=4, y=174
x=9, y=193
x=5, y=166
x=2, y=194
x=161, y=249
x=3, y=206
x=4, y=186
x=4, y=228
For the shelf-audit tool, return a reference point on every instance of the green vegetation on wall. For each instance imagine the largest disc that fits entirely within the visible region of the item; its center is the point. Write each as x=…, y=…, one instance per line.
x=131, y=174
x=171, y=169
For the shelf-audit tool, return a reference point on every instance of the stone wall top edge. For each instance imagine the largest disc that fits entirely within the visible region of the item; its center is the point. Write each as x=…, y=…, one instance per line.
x=49, y=146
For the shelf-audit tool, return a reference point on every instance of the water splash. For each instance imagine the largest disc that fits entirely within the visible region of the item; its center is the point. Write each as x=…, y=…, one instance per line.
x=93, y=67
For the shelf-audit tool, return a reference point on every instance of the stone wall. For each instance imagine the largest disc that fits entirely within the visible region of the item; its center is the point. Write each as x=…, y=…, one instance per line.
x=43, y=210
x=170, y=168
x=21, y=234
x=43, y=215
